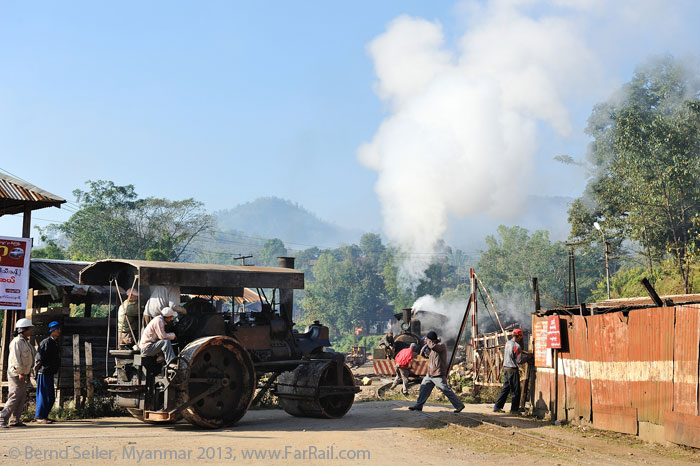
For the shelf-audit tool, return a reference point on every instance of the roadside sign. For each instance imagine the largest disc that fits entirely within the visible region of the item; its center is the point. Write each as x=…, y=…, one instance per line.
x=14, y=272
x=543, y=355
x=553, y=332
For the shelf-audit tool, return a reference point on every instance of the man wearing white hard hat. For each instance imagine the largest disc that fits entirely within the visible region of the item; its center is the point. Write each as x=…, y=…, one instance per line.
x=155, y=340
x=19, y=366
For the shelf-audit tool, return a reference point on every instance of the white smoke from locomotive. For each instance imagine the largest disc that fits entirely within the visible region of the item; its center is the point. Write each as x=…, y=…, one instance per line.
x=461, y=134
x=511, y=309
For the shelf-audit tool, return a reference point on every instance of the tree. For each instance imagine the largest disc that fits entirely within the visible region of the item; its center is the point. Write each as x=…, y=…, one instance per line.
x=344, y=292
x=645, y=160
x=113, y=222
x=270, y=251
x=512, y=259
x=372, y=247
x=50, y=251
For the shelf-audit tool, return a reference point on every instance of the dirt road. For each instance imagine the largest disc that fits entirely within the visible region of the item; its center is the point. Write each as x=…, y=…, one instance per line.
x=372, y=433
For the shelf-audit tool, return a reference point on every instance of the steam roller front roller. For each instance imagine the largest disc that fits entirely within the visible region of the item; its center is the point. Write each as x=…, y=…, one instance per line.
x=219, y=373
x=322, y=389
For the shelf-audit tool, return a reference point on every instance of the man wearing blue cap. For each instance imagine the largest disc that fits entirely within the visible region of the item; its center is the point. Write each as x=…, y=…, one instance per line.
x=48, y=362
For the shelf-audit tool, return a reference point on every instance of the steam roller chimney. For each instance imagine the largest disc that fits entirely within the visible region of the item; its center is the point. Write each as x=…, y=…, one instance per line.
x=286, y=295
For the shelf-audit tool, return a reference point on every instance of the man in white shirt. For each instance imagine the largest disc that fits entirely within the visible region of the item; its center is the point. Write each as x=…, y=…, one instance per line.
x=162, y=297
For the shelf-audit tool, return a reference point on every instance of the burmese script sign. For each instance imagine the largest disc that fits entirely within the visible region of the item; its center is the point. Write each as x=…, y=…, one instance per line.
x=14, y=272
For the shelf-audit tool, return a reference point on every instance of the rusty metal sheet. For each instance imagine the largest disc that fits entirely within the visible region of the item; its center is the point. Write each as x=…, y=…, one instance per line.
x=608, y=355
x=685, y=360
x=582, y=385
x=683, y=429
x=616, y=418
x=544, y=386
x=650, y=367
x=15, y=194
x=566, y=369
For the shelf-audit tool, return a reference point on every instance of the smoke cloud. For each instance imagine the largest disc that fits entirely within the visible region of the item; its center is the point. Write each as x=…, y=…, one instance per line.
x=461, y=134
x=511, y=309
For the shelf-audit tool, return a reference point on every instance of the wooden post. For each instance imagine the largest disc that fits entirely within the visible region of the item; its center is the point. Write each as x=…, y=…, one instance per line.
x=536, y=293
x=90, y=390
x=27, y=221
x=8, y=326
x=555, y=358
x=76, y=370
x=652, y=292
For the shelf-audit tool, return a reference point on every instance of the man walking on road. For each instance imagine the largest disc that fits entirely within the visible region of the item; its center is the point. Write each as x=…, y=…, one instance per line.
x=20, y=363
x=513, y=355
x=48, y=362
x=437, y=375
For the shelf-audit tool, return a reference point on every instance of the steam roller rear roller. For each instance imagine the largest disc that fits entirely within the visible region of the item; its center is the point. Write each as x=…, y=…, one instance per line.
x=321, y=389
x=221, y=366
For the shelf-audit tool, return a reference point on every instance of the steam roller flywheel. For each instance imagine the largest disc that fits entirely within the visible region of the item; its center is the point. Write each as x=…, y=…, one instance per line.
x=221, y=365
x=322, y=389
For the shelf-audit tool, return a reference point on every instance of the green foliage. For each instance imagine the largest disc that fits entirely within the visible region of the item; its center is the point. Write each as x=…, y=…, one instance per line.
x=114, y=223
x=50, y=251
x=156, y=255
x=345, y=290
x=344, y=343
x=270, y=251
x=645, y=160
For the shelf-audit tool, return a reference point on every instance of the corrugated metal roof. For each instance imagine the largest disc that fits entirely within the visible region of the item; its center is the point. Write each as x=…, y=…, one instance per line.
x=14, y=194
x=59, y=276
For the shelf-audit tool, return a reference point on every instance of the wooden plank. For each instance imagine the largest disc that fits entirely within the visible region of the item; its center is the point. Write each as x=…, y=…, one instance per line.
x=88, y=371
x=616, y=418
x=683, y=429
x=76, y=370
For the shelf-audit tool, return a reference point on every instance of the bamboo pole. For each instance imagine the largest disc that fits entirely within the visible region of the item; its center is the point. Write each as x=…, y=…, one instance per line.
x=76, y=370
x=90, y=389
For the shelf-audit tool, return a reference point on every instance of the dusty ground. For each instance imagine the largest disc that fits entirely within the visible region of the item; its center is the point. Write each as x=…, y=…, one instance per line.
x=372, y=432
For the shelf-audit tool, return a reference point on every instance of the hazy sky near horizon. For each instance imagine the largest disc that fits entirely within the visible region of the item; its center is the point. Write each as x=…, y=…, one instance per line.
x=228, y=101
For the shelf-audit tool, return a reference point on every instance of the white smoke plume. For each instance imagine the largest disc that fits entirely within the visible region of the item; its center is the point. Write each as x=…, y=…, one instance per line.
x=461, y=133
x=510, y=308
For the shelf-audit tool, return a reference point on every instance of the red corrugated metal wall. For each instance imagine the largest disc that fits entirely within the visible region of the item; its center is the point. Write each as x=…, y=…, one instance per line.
x=645, y=360
x=686, y=345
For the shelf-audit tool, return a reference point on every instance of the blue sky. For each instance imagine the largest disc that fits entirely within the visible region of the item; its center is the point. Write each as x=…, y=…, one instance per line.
x=220, y=101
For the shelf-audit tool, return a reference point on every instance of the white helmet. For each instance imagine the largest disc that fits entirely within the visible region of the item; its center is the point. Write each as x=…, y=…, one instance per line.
x=24, y=323
x=168, y=312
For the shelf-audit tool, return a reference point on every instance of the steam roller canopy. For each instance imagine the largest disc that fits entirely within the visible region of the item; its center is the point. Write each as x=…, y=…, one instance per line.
x=323, y=389
x=211, y=361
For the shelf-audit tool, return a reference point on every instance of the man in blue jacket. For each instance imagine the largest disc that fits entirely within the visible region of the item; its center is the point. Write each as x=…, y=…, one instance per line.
x=48, y=362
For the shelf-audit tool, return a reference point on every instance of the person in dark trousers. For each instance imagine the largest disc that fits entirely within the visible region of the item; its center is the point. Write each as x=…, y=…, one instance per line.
x=512, y=356
x=437, y=375
x=404, y=360
x=48, y=362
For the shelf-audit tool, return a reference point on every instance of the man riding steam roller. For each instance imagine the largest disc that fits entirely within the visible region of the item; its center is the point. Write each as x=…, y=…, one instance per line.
x=154, y=339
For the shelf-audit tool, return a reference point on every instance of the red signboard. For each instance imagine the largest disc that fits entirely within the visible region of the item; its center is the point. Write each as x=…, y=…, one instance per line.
x=553, y=332
x=14, y=272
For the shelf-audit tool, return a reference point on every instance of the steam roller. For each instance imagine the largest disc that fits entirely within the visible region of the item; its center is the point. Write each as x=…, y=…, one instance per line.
x=227, y=359
x=219, y=374
x=321, y=389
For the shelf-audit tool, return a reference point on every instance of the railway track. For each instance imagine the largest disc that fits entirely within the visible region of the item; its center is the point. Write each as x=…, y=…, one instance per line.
x=540, y=445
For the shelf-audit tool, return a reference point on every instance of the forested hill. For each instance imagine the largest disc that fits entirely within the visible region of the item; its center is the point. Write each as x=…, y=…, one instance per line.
x=272, y=217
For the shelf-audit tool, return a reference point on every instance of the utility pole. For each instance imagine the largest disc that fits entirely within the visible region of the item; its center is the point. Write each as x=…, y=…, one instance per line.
x=241, y=258
x=607, y=256
x=572, y=289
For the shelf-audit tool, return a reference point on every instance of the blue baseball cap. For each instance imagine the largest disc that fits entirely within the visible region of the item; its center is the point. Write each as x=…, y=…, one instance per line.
x=54, y=325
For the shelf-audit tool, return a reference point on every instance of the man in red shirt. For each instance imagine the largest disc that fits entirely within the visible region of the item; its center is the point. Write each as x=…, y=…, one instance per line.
x=404, y=360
